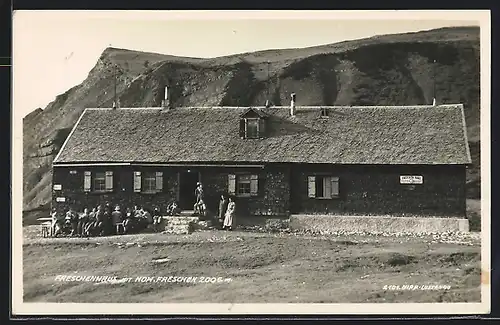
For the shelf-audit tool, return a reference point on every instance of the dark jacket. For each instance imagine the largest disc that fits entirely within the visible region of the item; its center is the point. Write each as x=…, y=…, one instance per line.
x=222, y=208
x=117, y=217
x=198, y=193
x=99, y=215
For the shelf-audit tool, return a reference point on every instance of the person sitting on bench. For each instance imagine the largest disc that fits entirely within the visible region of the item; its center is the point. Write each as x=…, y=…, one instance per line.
x=83, y=219
x=57, y=222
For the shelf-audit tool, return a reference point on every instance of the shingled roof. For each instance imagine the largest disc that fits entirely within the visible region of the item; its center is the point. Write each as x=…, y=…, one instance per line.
x=351, y=135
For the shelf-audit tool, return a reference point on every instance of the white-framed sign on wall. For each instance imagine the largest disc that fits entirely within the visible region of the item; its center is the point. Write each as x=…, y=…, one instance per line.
x=411, y=179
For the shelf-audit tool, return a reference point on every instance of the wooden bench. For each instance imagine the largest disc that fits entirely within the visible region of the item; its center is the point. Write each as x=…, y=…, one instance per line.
x=120, y=228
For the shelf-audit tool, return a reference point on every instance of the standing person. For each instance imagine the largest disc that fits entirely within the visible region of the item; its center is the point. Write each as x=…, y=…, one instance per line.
x=222, y=208
x=229, y=217
x=157, y=218
x=198, y=192
x=83, y=219
x=107, y=221
x=117, y=218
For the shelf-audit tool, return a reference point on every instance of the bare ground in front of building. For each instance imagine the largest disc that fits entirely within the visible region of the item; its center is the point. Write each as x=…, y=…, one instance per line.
x=262, y=267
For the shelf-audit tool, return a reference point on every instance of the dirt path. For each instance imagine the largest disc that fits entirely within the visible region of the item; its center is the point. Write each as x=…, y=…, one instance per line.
x=31, y=235
x=251, y=267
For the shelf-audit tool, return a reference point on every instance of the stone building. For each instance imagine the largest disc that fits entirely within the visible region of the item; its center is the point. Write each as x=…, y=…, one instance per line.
x=275, y=161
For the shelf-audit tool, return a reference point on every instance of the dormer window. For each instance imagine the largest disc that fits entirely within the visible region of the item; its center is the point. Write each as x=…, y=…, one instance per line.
x=252, y=128
x=252, y=124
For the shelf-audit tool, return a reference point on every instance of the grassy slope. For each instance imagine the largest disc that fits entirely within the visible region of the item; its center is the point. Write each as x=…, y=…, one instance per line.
x=389, y=69
x=263, y=268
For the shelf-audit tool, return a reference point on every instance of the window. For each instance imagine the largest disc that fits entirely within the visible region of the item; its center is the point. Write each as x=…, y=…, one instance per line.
x=252, y=130
x=243, y=185
x=252, y=124
x=148, y=182
x=98, y=181
x=323, y=187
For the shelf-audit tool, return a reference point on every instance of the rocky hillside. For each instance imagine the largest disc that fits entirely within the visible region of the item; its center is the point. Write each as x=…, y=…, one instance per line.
x=383, y=70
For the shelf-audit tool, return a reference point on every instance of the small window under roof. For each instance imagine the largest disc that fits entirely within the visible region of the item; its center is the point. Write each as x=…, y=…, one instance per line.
x=252, y=124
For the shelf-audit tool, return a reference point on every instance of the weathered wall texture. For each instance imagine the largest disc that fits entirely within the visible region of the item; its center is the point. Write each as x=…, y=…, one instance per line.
x=364, y=190
x=375, y=190
x=369, y=224
x=272, y=199
x=123, y=190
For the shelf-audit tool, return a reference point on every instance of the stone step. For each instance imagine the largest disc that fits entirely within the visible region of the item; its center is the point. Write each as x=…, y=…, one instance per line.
x=179, y=222
x=202, y=225
x=180, y=219
x=178, y=229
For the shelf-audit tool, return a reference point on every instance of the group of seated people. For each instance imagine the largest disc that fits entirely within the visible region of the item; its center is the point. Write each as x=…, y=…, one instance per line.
x=103, y=220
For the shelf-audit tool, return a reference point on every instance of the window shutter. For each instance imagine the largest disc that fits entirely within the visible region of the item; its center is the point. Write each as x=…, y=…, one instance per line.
x=137, y=181
x=242, y=128
x=232, y=184
x=311, y=186
x=87, y=181
x=254, y=185
x=335, y=186
x=327, y=187
x=262, y=128
x=159, y=181
x=246, y=127
x=109, y=181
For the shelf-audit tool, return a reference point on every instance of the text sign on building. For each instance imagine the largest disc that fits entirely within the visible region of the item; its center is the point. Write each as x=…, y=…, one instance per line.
x=57, y=187
x=411, y=179
x=60, y=199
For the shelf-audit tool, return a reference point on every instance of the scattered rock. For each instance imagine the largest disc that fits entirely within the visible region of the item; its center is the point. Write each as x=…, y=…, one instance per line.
x=161, y=260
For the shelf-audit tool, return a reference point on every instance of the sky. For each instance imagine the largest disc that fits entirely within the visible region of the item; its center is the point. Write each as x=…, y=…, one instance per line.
x=54, y=51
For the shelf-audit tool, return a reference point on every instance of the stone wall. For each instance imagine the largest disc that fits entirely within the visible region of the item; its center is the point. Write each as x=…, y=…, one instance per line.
x=377, y=225
x=364, y=190
x=272, y=199
x=123, y=189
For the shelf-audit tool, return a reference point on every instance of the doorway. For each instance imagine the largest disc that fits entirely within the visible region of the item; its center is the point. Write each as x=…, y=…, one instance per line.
x=187, y=185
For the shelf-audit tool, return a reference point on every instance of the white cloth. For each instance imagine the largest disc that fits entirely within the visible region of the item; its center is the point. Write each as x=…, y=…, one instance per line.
x=228, y=218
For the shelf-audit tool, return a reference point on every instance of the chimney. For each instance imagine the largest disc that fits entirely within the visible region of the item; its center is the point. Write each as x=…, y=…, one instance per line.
x=165, y=103
x=292, y=105
x=434, y=83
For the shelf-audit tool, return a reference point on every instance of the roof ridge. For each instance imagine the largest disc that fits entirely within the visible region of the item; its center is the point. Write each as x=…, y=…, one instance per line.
x=458, y=105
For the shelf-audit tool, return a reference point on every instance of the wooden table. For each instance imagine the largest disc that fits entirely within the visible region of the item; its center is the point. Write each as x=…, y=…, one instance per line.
x=46, y=224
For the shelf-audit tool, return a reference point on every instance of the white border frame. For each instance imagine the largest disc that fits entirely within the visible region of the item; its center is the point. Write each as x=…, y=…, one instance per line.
x=482, y=16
